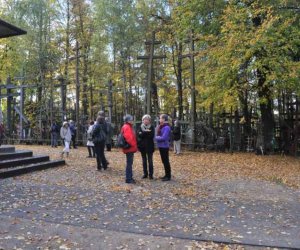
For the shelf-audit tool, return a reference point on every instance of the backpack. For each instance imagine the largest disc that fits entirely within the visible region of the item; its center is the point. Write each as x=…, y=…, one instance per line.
x=121, y=142
x=98, y=134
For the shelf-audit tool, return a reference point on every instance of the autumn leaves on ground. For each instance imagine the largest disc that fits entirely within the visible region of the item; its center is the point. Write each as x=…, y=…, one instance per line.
x=223, y=198
x=186, y=168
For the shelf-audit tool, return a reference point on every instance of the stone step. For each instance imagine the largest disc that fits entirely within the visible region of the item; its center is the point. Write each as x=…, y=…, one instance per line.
x=16, y=154
x=23, y=161
x=7, y=149
x=31, y=168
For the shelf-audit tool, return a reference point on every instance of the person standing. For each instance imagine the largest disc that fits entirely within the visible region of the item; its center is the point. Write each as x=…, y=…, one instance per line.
x=99, y=137
x=177, y=138
x=73, y=133
x=129, y=135
x=109, y=134
x=54, y=134
x=65, y=134
x=146, y=145
x=163, y=143
x=90, y=145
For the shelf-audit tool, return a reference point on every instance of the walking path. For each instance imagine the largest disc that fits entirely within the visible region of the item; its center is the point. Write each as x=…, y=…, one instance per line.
x=59, y=208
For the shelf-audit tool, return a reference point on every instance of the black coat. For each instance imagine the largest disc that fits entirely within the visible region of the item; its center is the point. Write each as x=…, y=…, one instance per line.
x=99, y=134
x=176, y=133
x=145, y=140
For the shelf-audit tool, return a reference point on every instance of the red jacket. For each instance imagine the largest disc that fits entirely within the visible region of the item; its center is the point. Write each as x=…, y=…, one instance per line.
x=129, y=135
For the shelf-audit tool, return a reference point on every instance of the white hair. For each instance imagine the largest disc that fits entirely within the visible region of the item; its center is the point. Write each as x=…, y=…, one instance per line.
x=148, y=117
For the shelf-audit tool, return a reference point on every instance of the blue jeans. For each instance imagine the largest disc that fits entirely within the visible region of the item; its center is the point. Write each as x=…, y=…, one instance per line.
x=129, y=163
x=54, y=137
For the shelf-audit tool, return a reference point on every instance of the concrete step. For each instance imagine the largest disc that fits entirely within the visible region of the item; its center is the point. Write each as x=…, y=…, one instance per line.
x=23, y=161
x=16, y=154
x=31, y=168
x=7, y=149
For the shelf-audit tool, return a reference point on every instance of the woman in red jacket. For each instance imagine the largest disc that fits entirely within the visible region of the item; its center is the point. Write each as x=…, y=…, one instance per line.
x=129, y=135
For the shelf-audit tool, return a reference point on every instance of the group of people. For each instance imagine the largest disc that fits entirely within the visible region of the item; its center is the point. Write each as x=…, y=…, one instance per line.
x=144, y=142
x=55, y=131
x=99, y=135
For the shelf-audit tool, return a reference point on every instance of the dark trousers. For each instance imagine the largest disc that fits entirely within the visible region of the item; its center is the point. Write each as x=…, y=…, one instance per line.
x=54, y=137
x=164, y=154
x=101, y=160
x=147, y=157
x=108, y=147
x=129, y=163
x=73, y=141
x=91, y=150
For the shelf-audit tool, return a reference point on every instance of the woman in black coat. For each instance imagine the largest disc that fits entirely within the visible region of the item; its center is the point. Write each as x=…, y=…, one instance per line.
x=146, y=145
x=99, y=134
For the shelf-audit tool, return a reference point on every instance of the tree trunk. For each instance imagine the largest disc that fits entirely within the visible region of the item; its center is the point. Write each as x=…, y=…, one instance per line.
x=266, y=109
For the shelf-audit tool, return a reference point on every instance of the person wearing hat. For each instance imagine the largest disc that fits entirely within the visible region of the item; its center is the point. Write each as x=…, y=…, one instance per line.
x=145, y=139
x=65, y=134
x=163, y=143
x=129, y=135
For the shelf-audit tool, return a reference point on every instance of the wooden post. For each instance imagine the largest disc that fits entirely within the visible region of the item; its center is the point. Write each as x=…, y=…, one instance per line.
x=77, y=89
x=191, y=55
x=150, y=59
x=9, y=103
x=297, y=124
x=193, y=95
x=110, y=100
x=22, y=97
x=63, y=98
x=231, y=132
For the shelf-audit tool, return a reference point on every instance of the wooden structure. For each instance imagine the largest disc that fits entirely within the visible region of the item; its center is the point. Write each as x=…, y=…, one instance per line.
x=8, y=30
x=150, y=59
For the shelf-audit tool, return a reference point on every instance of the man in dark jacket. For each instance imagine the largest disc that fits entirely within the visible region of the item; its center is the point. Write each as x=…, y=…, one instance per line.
x=146, y=145
x=73, y=133
x=99, y=137
x=54, y=134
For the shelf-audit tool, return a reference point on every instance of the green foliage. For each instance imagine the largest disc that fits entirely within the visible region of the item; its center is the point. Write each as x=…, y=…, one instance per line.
x=234, y=41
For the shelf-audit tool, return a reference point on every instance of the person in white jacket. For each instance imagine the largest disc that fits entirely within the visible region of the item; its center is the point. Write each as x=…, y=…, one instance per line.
x=65, y=134
x=90, y=145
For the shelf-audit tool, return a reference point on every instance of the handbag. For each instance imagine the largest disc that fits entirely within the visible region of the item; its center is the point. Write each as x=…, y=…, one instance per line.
x=121, y=142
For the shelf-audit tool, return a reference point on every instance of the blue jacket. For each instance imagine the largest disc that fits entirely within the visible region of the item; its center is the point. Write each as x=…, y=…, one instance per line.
x=163, y=140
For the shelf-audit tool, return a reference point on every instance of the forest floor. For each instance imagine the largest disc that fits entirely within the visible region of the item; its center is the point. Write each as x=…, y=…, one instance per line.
x=214, y=201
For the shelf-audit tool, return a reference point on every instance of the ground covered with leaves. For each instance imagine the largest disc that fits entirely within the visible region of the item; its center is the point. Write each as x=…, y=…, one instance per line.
x=235, y=200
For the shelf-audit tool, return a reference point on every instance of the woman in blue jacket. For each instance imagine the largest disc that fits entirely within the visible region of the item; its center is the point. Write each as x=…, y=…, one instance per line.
x=163, y=143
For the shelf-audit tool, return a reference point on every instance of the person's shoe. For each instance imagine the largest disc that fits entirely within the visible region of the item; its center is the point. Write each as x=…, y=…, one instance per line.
x=145, y=176
x=89, y=156
x=151, y=177
x=162, y=177
x=166, y=179
x=132, y=181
